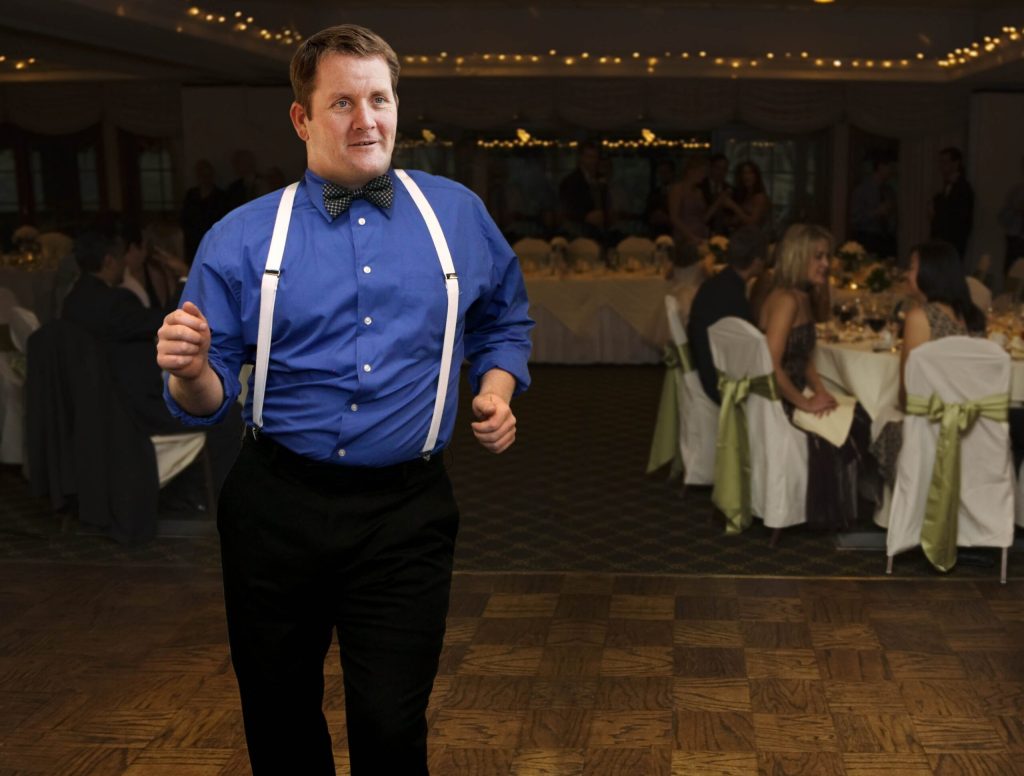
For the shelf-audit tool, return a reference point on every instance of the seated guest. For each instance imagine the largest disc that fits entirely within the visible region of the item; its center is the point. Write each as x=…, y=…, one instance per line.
x=936, y=276
x=787, y=319
x=722, y=296
x=152, y=272
x=126, y=332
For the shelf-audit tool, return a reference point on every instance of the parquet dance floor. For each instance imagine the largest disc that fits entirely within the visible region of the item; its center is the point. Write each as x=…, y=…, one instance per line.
x=111, y=670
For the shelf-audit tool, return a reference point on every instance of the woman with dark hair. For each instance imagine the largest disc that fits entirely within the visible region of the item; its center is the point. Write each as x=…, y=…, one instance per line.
x=937, y=277
x=748, y=202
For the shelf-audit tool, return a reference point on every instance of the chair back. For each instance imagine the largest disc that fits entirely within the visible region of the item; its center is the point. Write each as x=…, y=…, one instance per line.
x=532, y=250
x=675, y=323
x=634, y=252
x=22, y=322
x=8, y=301
x=583, y=249
x=956, y=369
x=778, y=450
x=81, y=441
x=980, y=294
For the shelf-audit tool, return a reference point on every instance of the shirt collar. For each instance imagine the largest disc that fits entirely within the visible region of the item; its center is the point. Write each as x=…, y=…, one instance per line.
x=315, y=190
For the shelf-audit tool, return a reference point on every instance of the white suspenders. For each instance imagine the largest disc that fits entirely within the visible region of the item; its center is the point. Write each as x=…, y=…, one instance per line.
x=268, y=294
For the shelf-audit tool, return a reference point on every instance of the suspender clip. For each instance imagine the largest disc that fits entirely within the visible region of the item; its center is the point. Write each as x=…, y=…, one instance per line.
x=451, y=276
x=272, y=272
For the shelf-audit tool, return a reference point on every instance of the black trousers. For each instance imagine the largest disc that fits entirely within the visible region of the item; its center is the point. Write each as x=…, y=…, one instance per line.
x=308, y=548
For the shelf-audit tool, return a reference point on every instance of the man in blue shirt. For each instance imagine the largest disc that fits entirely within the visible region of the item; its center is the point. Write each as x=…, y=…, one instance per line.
x=336, y=515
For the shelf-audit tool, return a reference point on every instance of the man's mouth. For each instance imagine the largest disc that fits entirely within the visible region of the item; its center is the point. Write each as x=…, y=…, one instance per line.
x=363, y=143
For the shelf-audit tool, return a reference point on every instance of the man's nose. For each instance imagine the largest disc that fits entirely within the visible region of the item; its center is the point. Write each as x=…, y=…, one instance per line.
x=363, y=116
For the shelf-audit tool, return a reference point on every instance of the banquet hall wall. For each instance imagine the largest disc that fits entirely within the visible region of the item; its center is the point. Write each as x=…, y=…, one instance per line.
x=210, y=122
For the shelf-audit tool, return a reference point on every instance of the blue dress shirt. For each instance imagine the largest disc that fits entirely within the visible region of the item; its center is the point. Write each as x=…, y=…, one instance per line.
x=359, y=318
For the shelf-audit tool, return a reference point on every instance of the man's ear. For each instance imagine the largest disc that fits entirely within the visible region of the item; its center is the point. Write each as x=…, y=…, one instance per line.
x=299, y=118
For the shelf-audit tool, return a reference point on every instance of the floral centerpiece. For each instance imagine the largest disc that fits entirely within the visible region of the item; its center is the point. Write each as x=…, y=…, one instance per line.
x=878, y=279
x=852, y=255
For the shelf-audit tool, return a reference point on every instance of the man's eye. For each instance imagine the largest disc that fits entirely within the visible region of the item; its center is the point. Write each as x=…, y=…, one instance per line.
x=341, y=104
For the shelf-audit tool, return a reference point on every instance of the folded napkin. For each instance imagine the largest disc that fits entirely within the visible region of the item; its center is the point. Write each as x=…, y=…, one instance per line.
x=835, y=426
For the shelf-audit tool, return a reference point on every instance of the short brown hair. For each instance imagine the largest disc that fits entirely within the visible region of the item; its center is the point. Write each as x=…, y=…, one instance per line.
x=348, y=39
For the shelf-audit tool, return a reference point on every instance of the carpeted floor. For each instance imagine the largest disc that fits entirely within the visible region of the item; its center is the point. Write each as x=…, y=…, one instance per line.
x=571, y=495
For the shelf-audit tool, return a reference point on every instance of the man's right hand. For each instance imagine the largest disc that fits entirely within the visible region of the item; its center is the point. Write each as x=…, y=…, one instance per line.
x=183, y=343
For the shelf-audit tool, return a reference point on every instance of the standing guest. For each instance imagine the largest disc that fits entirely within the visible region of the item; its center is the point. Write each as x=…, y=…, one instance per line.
x=873, y=211
x=339, y=515
x=952, y=208
x=747, y=204
x=247, y=184
x=787, y=320
x=656, y=214
x=714, y=188
x=722, y=296
x=1011, y=218
x=583, y=197
x=205, y=204
x=689, y=210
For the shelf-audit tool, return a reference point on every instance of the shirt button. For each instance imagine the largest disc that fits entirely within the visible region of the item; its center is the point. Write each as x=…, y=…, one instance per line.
x=341, y=453
x=367, y=269
x=367, y=368
x=355, y=408
x=367, y=320
x=362, y=222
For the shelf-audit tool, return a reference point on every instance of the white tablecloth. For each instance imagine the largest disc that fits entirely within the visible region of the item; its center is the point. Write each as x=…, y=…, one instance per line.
x=874, y=378
x=610, y=319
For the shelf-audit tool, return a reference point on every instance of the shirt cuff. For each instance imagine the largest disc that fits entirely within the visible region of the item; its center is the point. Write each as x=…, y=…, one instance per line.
x=512, y=362
x=195, y=420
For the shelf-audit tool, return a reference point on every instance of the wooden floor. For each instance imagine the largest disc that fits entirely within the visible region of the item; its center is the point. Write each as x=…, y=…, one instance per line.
x=113, y=670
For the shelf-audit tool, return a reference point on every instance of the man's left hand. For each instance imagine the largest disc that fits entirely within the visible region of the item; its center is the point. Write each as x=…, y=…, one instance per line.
x=495, y=427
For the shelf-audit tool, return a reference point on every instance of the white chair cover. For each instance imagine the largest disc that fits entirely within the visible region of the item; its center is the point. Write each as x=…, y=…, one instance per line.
x=980, y=294
x=635, y=252
x=957, y=369
x=532, y=253
x=22, y=322
x=55, y=246
x=8, y=301
x=174, y=452
x=583, y=249
x=778, y=450
x=698, y=415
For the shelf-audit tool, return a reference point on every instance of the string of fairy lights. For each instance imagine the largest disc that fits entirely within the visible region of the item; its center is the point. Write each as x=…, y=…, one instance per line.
x=476, y=63
x=1009, y=40
x=524, y=139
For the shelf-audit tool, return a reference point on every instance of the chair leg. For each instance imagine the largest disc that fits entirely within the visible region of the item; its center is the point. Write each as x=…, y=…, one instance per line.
x=776, y=535
x=888, y=565
x=1002, y=569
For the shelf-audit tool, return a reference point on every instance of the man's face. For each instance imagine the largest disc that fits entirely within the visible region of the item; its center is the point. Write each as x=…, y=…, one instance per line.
x=351, y=132
x=947, y=166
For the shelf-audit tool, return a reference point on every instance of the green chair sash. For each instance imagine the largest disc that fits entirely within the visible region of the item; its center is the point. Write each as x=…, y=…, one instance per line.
x=731, y=492
x=665, y=444
x=939, y=528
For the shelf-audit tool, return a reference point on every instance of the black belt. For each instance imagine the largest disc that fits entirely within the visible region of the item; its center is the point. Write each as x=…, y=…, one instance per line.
x=321, y=473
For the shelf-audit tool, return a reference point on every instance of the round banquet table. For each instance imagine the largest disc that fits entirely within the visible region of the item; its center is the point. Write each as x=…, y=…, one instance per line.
x=616, y=318
x=34, y=289
x=874, y=377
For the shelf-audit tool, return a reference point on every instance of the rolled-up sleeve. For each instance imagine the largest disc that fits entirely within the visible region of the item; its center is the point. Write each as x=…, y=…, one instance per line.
x=214, y=287
x=498, y=325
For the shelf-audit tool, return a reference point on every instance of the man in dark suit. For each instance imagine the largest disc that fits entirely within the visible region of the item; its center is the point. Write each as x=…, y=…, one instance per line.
x=953, y=207
x=722, y=296
x=714, y=186
x=126, y=334
x=583, y=197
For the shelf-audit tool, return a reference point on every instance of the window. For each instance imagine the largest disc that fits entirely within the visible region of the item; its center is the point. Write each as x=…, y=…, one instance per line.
x=88, y=180
x=156, y=179
x=8, y=181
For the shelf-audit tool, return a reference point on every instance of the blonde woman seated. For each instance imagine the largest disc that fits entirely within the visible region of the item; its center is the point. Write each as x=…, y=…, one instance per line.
x=787, y=319
x=936, y=276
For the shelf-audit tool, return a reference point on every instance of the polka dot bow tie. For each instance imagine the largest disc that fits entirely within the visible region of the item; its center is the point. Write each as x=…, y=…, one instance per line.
x=379, y=192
